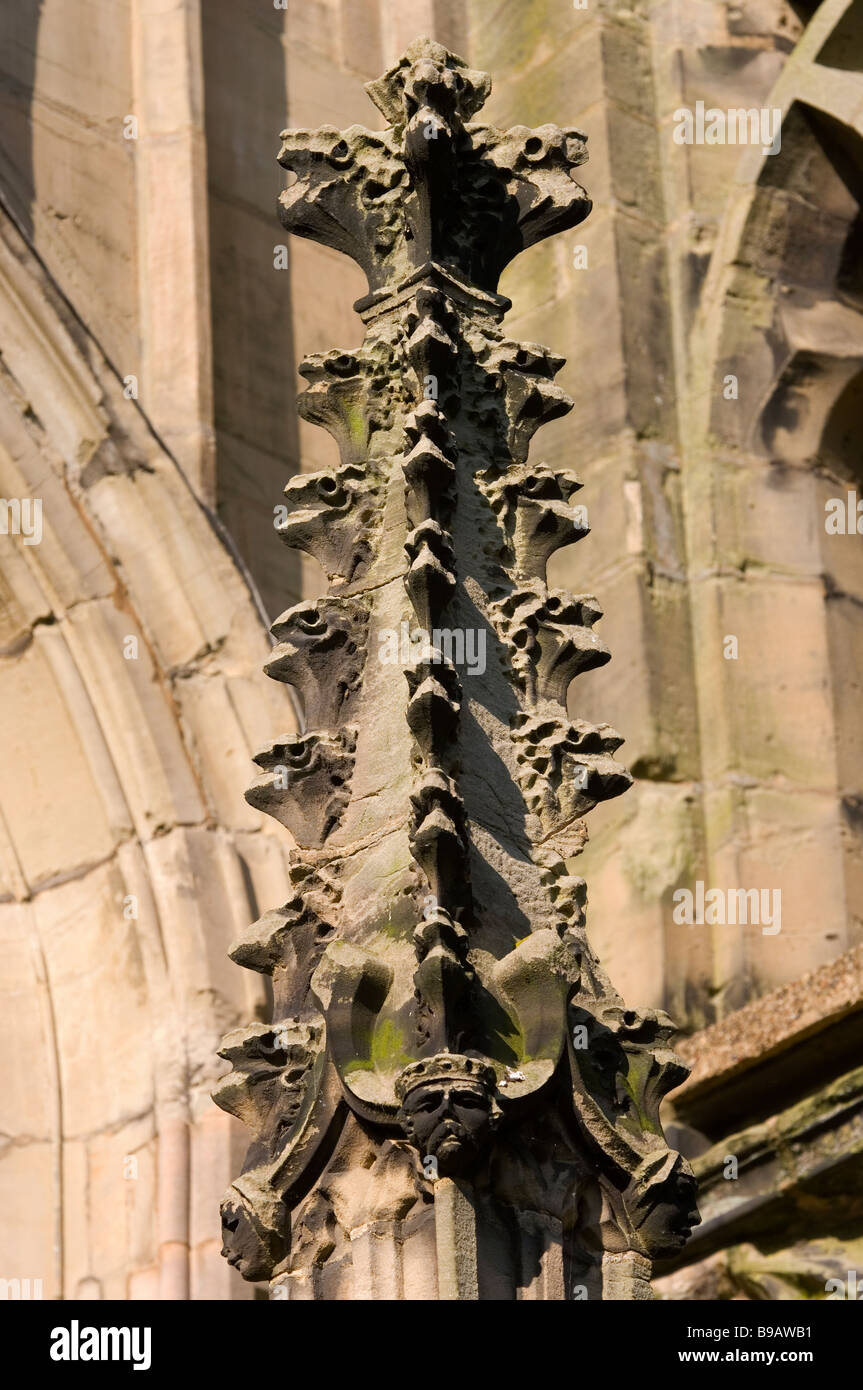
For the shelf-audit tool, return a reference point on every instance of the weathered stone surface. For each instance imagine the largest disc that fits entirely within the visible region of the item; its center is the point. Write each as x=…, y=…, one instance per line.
x=697, y=261
x=432, y=974
x=128, y=860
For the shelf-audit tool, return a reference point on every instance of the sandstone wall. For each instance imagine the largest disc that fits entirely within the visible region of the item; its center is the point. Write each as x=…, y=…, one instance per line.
x=149, y=252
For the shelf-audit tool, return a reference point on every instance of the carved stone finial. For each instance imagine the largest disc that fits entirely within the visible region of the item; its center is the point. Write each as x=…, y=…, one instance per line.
x=431, y=975
x=428, y=79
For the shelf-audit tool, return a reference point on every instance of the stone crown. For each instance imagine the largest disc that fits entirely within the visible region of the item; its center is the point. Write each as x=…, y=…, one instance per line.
x=445, y=1066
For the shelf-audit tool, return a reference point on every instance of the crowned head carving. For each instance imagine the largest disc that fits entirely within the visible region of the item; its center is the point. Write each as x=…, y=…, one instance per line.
x=448, y=1109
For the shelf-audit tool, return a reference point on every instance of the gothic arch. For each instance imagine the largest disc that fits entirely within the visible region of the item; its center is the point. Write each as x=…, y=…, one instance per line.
x=129, y=650
x=780, y=318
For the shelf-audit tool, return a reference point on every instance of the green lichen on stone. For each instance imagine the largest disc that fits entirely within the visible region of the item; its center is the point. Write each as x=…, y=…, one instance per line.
x=388, y=1048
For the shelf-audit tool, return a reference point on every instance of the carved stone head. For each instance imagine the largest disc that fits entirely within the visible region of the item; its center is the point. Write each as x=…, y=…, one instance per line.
x=255, y=1228
x=448, y=1109
x=660, y=1203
